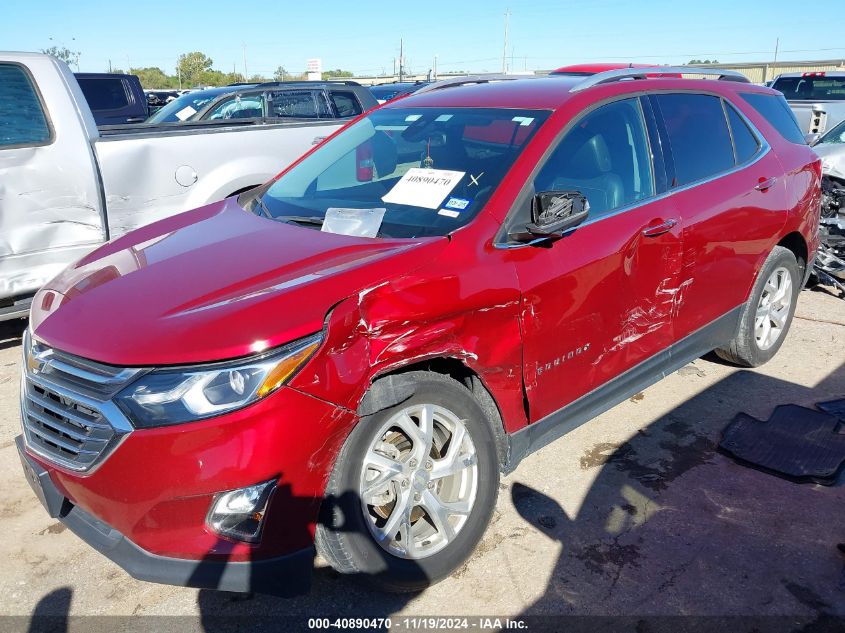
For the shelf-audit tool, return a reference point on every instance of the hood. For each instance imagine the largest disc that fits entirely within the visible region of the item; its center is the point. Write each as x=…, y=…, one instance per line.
x=215, y=283
x=833, y=159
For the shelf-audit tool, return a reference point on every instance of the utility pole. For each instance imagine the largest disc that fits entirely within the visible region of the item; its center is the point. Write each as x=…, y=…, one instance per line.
x=777, y=45
x=179, y=72
x=109, y=66
x=246, y=73
x=435, y=68
x=401, y=59
x=505, y=49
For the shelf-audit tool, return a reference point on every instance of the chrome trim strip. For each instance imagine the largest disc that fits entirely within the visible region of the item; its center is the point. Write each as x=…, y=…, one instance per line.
x=122, y=376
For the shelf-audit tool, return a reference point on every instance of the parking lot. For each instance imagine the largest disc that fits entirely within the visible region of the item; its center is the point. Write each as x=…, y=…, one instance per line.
x=635, y=513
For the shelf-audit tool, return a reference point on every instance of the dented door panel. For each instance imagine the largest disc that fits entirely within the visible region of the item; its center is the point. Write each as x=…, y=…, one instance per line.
x=50, y=210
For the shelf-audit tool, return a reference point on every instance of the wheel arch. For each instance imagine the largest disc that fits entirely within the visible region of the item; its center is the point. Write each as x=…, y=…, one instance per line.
x=796, y=243
x=387, y=389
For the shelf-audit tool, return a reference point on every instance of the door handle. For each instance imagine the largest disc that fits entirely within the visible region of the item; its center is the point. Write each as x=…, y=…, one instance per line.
x=765, y=183
x=135, y=119
x=660, y=229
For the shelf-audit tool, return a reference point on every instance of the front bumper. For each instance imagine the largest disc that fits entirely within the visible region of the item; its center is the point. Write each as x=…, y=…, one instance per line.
x=288, y=575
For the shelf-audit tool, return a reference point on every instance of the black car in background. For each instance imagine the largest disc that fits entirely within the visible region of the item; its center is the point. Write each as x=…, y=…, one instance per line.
x=114, y=99
x=292, y=99
x=386, y=92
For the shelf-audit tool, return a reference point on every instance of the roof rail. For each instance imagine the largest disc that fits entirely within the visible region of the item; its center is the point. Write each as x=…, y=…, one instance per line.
x=643, y=73
x=470, y=79
x=317, y=82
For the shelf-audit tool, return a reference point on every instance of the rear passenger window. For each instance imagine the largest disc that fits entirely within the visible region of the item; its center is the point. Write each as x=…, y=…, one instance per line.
x=745, y=143
x=605, y=156
x=22, y=121
x=776, y=111
x=298, y=104
x=104, y=93
x=698, y=136
x=346, y=104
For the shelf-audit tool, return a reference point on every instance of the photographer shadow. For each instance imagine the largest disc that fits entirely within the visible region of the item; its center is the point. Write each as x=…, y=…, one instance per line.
x=671, y=526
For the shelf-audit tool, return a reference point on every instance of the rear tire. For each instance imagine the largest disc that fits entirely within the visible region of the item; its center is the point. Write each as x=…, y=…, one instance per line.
x=768, y=313
x=376, y=521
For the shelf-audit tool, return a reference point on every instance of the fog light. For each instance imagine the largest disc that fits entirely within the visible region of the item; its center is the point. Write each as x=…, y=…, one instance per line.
x=239, y=514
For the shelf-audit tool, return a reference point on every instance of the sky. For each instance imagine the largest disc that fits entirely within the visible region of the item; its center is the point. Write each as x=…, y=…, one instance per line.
x=364, y=36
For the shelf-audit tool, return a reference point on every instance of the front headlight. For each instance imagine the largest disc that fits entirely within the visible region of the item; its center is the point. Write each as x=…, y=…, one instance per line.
x=172, y=396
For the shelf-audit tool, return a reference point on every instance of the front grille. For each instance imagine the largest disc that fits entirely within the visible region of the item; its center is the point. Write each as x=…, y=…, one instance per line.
x=66, y=411
x=64, y=430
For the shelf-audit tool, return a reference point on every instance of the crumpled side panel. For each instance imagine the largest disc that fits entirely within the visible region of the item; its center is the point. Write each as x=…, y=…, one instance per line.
x=421, y=317
x=49, y=216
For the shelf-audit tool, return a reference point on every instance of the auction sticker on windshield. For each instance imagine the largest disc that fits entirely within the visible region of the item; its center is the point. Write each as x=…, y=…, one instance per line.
x=185, y=113
x=425, y=188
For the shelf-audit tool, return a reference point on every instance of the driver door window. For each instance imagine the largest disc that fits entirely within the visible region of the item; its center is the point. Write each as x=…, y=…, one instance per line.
x=605, y=156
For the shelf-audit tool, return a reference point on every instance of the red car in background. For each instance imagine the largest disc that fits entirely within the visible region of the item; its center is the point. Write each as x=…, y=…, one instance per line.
x=349, y=355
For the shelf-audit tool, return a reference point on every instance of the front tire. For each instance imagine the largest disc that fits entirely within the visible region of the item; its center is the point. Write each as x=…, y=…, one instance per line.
x=413, y=488
x=768, y=313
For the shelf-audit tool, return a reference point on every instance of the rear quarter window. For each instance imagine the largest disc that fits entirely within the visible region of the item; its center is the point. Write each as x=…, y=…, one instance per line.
x=776, y=111
x=22, y=119
x=698, y=135
x=745, y=142
x=346, y=104
x=104, y=93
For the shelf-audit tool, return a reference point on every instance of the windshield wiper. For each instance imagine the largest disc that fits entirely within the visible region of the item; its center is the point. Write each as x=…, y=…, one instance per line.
x=314, y=220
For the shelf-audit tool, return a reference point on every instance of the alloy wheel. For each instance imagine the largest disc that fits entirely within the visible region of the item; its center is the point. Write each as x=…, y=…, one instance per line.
x=419, y=481
x=772, y=314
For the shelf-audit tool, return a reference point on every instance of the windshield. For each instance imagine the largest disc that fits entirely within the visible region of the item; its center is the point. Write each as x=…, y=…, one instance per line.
x=402, y=173
x=186, y=106
x=811, y=88
x=836, y=134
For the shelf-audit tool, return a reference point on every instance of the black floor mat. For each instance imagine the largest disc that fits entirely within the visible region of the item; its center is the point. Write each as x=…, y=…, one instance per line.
x=797, y=443
x=833, y=407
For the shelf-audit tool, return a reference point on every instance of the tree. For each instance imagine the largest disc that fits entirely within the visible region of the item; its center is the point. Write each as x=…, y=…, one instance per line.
x=71, y=58
x=153, y=77
x=281, y=74
x=192, y=66
x=234, y=78
x=337, y=72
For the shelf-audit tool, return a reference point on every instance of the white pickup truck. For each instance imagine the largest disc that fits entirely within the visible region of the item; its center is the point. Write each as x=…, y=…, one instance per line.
x=817, y=99
x=67, y=187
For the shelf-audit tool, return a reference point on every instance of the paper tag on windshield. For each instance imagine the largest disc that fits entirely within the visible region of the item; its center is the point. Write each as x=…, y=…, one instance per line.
x=185, y=113
x=425, y=188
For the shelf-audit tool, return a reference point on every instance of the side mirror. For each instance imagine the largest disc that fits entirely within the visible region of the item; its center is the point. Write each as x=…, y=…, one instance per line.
x=553, y=213
x=812, y=138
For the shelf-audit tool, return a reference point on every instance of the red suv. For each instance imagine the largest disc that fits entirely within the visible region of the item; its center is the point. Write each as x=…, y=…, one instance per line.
x=348, y=356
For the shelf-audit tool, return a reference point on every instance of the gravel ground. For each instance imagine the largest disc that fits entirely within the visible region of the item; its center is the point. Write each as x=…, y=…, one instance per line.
x=635, y=513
